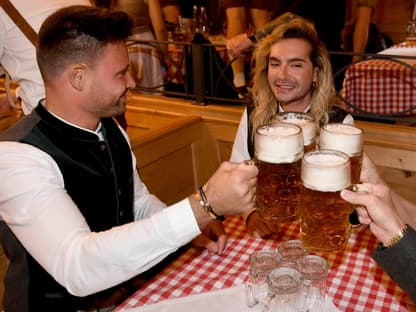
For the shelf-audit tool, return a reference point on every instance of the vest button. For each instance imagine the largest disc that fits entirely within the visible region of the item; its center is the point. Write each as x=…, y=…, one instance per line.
x=102, y=147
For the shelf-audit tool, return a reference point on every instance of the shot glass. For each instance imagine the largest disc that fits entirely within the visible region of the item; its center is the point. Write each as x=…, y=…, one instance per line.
x=285, y=285
x=314, y=270
x=290, y=251
x=262, y=262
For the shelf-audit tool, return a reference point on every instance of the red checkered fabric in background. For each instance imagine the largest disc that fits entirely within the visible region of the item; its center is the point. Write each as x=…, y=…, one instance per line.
x=382, y=86
x=355, y=281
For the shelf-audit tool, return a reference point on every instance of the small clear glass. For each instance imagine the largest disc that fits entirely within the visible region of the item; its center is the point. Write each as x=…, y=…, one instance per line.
x=290, y=251
x=314, y=270
x=262, y=262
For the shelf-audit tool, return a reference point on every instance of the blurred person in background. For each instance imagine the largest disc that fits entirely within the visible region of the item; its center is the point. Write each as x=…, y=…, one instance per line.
x=360, y=33
x=171, y=13
x=328, y=25
x=145, y=59
x=17, y=53
x=239, y=14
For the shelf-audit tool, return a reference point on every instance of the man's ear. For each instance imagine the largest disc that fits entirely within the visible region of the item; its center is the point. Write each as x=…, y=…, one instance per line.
x=77, y=76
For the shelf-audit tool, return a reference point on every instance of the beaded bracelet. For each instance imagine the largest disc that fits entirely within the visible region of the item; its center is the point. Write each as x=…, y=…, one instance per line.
x=203, y=201
x=395, y=239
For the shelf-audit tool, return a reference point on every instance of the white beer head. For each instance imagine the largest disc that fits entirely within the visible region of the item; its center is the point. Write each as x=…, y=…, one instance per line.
x=326, y=170
x=304, y=120
x=278, y=142
x=341, y=137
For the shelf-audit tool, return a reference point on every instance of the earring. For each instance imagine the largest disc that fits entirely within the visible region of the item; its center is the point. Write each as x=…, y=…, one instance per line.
x=314, y=84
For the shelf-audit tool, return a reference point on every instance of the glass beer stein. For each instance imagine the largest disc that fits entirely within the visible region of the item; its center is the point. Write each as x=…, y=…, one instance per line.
x=347, y=139
x=278, y=154
x=308, y=124
x=324, y=215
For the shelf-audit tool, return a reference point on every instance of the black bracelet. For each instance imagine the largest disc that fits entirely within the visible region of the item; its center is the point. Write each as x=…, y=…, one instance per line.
x=207, y=207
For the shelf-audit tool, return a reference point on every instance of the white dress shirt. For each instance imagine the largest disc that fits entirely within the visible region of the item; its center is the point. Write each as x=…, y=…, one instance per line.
x=37, y=208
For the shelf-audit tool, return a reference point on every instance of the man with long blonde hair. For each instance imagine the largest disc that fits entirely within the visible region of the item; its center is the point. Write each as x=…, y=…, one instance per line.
x=292, y=72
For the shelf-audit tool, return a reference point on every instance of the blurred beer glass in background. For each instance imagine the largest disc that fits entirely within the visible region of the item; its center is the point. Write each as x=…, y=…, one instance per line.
x=308, y=124
x=278, y=154
x=324, y=222
x=347, y=139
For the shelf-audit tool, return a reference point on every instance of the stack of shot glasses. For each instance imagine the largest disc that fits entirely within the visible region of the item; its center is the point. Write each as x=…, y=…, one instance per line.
x=287, y=279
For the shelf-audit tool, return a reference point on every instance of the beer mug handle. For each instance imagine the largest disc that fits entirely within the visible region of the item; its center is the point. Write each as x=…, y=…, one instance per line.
x=251, y=300
x=311, y=297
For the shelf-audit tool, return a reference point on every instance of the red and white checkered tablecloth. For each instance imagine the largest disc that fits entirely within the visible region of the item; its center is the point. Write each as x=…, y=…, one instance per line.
x=382, y=86
x=355, y=281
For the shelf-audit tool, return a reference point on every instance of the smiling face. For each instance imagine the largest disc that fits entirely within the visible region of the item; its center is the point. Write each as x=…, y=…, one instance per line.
x=109, y=82
x=291, y=73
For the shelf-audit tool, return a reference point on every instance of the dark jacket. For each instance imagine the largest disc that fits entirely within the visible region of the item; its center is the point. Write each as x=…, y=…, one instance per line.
x=98, y=176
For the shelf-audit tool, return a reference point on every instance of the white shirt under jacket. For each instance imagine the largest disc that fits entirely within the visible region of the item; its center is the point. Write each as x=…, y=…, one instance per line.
x=18, y=54
x=37, y=208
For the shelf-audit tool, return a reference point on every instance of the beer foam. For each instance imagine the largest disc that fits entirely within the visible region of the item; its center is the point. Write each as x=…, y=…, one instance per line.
x=303, y=120
x=341, y=137
x=325, y=171
x=278, y=143
x=308, y=129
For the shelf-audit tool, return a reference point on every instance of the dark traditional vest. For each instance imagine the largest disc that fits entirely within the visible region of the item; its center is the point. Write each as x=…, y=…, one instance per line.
x=98, y=176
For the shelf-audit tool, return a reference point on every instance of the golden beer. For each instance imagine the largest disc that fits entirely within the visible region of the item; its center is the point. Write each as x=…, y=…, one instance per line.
x=278, y=150
x=307, y=123
x=347, y=139
x=324, y=216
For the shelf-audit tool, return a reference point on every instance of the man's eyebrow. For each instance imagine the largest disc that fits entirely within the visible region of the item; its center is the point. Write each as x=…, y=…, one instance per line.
x=123, y=70
x=295, y=59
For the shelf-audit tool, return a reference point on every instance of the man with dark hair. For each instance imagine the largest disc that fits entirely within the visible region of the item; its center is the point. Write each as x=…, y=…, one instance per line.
x=76, y=221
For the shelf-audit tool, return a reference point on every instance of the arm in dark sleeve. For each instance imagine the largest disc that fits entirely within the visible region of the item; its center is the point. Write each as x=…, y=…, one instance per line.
x=399, y=261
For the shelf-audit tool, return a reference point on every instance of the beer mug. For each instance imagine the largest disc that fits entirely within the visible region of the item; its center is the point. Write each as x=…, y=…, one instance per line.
x=347, y=139
x=324, y=215
x=308, y=124
x=278, y=154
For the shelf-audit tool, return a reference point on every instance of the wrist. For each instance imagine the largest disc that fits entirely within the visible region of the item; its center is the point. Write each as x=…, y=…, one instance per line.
x=251, y=35
x=396, y=238
x=203, y=201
